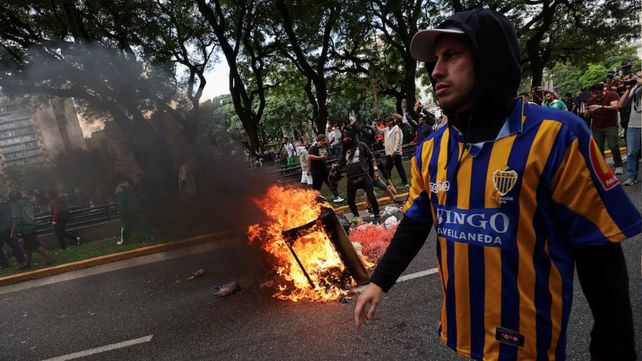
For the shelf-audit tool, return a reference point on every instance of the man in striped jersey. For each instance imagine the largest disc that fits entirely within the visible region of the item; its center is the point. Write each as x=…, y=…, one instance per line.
x=518, y=195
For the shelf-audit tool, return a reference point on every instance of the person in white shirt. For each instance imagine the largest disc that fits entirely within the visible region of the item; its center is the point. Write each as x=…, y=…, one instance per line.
x=302, y=153
x=634, y=93
x=392, y=142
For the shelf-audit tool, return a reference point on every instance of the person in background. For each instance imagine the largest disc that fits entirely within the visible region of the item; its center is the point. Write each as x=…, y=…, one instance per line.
x=551, y=101
x=570, y=102
x=392, y=142
x=6, y=223
x=302, y=153
x=633, y=96
x=423, y=130
x=24, y=223
x=289, y=150
x=130, y=211
x=357, y=158
x=317, y=156
x=60, y=215
x=602, y=110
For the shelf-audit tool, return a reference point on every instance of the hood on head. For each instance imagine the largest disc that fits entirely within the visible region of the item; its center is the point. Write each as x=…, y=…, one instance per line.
x=497, y=59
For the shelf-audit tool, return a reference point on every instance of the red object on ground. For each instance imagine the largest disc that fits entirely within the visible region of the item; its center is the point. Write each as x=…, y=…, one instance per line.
x=374, y=240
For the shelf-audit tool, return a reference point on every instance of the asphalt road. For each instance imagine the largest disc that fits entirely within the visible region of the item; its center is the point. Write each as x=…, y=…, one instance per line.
x=186, y=322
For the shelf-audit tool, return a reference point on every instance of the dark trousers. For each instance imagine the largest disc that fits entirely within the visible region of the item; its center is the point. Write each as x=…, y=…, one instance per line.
x=60, y=229
x=5, y=237
x=132, y=223
x=317, y=181
x=396, y=161
x=610, y=136
x=364, y=183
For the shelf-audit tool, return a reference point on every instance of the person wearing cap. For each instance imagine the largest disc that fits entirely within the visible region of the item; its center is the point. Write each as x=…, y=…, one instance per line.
x=519, y=196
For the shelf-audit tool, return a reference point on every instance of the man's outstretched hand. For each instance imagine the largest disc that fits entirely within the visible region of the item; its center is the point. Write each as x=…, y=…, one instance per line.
x=371, y=296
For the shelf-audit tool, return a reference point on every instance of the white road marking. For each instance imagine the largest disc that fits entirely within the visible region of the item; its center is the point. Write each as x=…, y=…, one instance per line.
x=93, y=351
x=412, y=276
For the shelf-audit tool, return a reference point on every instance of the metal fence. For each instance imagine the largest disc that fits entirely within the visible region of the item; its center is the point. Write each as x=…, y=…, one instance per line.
x=293, y=173
x=80, y=216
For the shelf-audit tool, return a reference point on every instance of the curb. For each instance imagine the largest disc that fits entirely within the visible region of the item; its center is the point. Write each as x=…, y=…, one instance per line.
x=362, y=205
x=96, y=261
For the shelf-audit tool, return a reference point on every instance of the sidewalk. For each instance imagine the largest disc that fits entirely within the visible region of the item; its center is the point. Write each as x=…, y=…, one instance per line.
x=114, y=257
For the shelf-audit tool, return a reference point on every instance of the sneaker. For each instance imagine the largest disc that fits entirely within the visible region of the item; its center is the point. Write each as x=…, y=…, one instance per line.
x=619, y=171
x=369, y=211
x=120, y=243
x=338, y=200
x=78, y=241
x=630, y=181
x=376, y=220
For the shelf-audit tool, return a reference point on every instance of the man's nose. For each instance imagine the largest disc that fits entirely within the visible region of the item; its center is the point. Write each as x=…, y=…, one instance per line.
x=439, y=72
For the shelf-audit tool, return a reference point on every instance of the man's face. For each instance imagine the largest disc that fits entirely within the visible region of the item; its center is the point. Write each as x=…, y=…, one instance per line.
x=323, y=142
x=597, y=93
x=548, y=97
x=454, y=73
x=421, y=121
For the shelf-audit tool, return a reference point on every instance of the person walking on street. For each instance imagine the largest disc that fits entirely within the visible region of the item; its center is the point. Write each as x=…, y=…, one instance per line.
x=602, y=109
x=24, y=223
x=392, y=143
x=633, y=96
x=519, y=196
x=317, y=156
x=358, y=159
x=302, y=153
x=60, y=215
x=6, y=223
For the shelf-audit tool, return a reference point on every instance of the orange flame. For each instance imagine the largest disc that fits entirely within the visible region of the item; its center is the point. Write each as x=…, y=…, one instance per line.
x=289, y=208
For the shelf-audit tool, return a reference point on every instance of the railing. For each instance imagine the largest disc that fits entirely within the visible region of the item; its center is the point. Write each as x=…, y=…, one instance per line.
x=81, y=216
x=293, y=173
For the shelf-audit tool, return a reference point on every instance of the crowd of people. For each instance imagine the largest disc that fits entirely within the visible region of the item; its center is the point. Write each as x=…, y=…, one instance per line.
x=20, y=211
x=605, y=107
x=366, y=152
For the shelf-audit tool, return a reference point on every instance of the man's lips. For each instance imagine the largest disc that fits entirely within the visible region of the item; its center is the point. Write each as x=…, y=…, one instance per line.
x=441, y=89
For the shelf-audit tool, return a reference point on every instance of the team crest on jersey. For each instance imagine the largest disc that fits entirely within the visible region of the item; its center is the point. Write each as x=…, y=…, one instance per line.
x=504, y=180
x=606, y=178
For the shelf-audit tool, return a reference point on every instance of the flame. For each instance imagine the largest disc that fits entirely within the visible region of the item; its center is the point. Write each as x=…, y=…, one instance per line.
x=288, y=208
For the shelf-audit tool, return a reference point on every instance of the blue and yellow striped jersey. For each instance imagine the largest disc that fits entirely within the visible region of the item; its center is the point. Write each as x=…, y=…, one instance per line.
x=507, y=215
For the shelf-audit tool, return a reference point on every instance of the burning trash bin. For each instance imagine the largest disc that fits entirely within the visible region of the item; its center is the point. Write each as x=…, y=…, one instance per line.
x=312, y=255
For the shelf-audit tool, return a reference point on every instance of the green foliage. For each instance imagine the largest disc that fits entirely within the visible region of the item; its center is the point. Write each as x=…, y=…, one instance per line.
x=569, y=77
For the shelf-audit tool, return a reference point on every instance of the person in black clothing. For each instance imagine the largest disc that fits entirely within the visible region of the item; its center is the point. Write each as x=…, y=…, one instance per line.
x=357, y=158
x=317, y=156
x=5, y=236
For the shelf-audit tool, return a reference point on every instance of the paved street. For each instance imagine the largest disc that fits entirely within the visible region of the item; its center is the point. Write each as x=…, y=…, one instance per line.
x=165, y=317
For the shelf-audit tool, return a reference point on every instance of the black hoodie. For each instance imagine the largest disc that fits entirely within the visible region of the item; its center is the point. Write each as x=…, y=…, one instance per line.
x=496, y=54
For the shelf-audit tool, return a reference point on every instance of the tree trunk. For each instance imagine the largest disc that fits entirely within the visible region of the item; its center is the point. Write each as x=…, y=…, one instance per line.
x=322, y=97
x=409, y=85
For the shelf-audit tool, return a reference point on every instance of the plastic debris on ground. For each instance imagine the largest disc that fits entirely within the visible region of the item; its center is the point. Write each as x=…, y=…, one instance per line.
x=372, y=240
x=390, y=210
x=391, y=222
x=345, y=300
x=196, y=274
x=226, y=289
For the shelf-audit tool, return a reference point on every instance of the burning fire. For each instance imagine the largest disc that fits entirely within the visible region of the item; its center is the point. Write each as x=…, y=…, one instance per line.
x=289, y=208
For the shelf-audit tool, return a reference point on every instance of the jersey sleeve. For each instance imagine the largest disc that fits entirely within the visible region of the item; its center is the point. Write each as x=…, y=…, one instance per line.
x=590, y=207
x=417, y=206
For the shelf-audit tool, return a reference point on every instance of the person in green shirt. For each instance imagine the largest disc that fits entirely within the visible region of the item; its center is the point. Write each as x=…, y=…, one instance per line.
x=24, y=223
x=550, y=101
x=130, y=211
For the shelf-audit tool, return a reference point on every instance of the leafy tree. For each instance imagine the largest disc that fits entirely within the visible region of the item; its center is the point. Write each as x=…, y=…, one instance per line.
x=239, y=27
x=575, y=31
